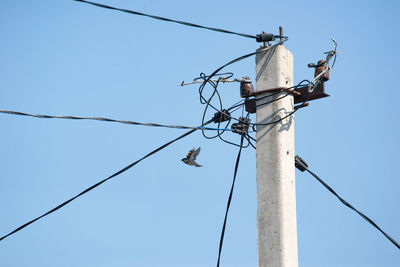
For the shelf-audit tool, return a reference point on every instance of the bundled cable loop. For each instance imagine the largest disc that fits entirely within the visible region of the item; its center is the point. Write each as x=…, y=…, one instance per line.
x=208, y=80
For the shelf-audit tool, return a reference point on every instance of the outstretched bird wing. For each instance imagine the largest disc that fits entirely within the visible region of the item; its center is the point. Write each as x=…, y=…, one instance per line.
x=192, y=155
x=189, y=154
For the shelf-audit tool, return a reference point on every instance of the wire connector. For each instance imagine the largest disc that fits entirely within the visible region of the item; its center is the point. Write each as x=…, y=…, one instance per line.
x=221, y=116
x=242, y=127
x=300, y=164
x=265, y=37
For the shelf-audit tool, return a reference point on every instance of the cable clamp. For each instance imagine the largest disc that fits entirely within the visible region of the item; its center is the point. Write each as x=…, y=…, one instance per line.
x=221, y=116
x=242, y=127
x=300, y=164
x=265, y=37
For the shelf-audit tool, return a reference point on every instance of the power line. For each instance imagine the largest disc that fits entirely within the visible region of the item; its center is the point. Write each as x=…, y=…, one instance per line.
x=221, y=240
x=169, y=20
x=102, y=181
x=207, y=79
x=41, y=116
x=249, y=138
x=214, y=84
x=302, y=166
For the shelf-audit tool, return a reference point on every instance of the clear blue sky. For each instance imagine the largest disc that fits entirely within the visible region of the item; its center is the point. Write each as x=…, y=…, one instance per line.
x=69, y=58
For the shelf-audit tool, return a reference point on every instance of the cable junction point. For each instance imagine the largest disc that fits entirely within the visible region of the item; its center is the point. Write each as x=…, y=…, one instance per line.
x=242, y=127
x=221, y=116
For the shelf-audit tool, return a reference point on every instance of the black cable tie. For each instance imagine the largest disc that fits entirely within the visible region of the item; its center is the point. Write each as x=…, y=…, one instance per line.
x=300, y=164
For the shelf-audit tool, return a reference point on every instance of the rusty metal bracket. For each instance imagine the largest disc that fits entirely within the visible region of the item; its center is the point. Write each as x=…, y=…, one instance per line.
x=319, y=92
x=272, y=90
x=251, y=107
x=250, y=103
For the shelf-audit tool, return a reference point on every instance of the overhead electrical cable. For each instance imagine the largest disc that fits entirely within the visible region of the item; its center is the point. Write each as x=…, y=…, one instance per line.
x=101, y=182
x=166, y=19
x=207, y=78
x=249, y=138
x=302, y=166
x=295, y=87
x=41, y=116
x=221, y=240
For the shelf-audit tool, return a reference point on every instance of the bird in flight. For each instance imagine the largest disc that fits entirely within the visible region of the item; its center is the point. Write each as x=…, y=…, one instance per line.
x=191, y=157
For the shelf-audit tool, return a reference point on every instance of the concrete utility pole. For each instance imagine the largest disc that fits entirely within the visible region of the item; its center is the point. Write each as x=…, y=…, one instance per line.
x=276, y=196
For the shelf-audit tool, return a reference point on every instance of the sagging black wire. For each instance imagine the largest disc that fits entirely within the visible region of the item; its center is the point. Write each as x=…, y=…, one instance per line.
x=101, y=182
x=302, y=166
x=166, y=19
x=221, y=240
x=42, y=116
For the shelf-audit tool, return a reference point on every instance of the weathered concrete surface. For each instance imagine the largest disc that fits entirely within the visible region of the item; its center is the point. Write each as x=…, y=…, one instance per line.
x=276, y=195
